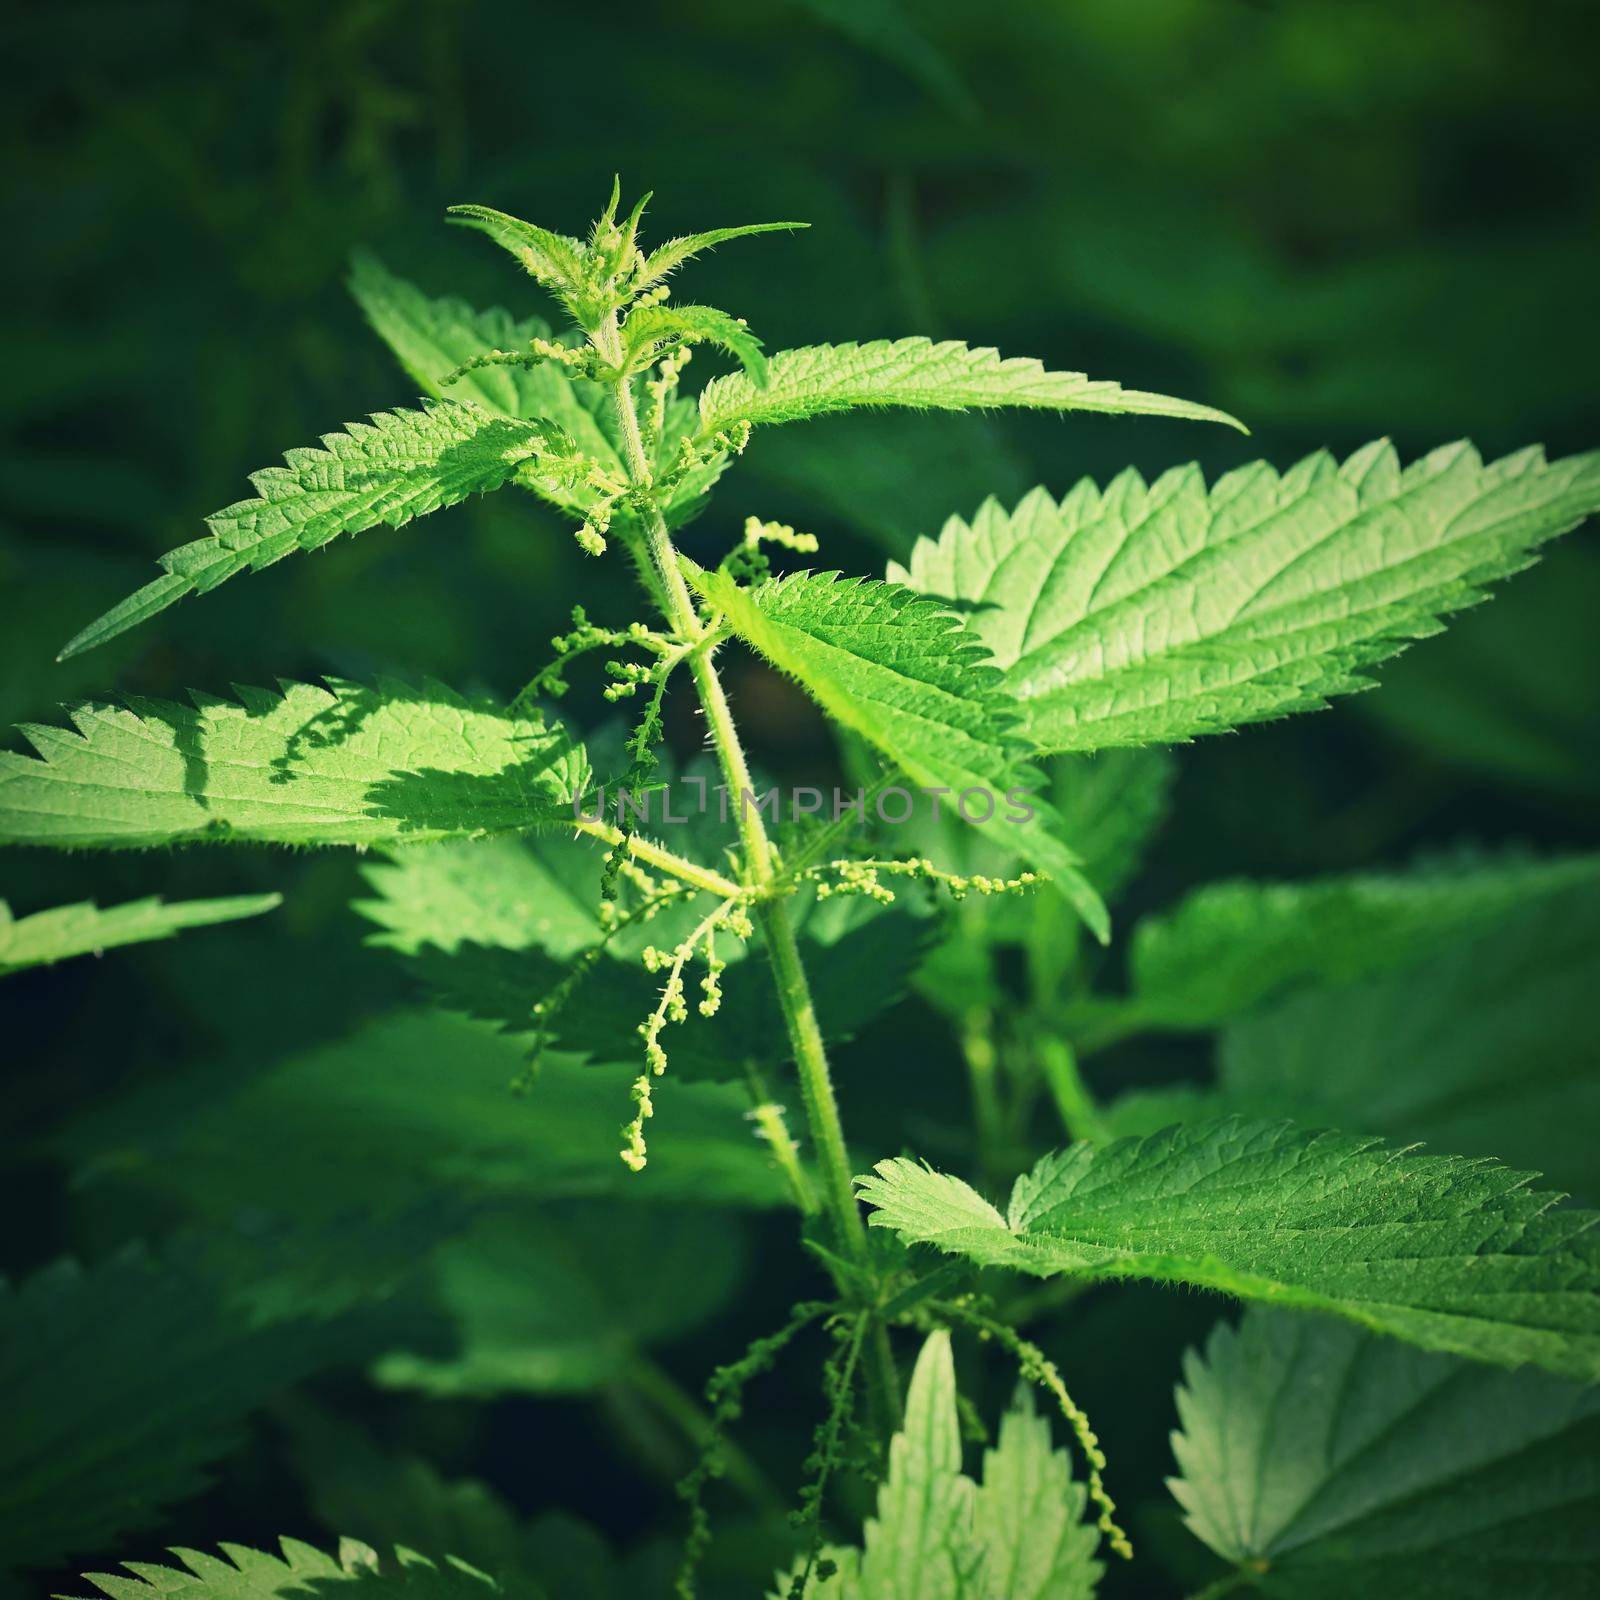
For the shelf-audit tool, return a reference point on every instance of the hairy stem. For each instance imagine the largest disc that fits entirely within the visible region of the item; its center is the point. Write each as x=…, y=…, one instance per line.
x=794, y=992
x=659, y=857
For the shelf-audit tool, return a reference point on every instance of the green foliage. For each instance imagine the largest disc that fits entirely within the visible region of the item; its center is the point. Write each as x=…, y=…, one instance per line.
x=64, y=931
x=385, y=1499
x=299, y=1570
x=1150, y=614
x=434, y=337
x=414, y=1226
x=921, y=374
x=554, y=260
x=400, y=465
x=592, y=280
x=1322, y=1462
x=1112, y=804
x=901, y=674
x=668, y=257
x=938, y=1535
x=1486, y=1047
x=414, y=1107
x=567, y=1311
x=338, y=765
x=1229, y=946
x=128, y=1380
x=652, y=330
x=493, y=928
x=1483, y=1046
x=1449, y=1253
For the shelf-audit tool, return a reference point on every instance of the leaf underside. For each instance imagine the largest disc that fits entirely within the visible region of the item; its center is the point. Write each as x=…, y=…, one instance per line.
x=1447, y=1252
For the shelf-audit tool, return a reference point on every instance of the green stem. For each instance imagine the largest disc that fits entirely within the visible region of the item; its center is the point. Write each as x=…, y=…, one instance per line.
x=658, y=856
x=1080, y=1115
x=794, y=992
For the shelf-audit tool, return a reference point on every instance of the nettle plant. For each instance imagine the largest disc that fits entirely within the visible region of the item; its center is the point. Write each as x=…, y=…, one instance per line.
x=1403, y=1404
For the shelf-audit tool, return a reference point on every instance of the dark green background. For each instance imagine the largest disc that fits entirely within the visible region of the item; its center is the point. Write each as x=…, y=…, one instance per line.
x=1335, y=218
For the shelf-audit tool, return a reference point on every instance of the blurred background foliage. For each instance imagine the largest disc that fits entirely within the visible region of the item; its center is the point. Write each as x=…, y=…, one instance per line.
x=1335, y=218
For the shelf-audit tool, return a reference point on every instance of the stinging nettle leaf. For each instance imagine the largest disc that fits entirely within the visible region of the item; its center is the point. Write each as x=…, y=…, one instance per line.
x=1447, y=1252
x=1029, y=1516
x=949, y=376
x=1482, y=1043
x=553, y=259
x=650, y=328
x=338, y=765
x=1230, y=946
x=414, y=1108
x=65, y=931
x=125, y=1381
x=297, y=1572
x=937, y=1535
x=398, y=466
x=1324, y=1462
x=491, y=926
x=433, y=336
x=905, y=676
x=668, y=257
x=1488, y=1046
x=1151, y=614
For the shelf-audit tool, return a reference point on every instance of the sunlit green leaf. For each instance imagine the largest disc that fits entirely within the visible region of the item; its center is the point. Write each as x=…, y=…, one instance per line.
x=1149, y=614
x=306, y=765
x=1449, y=1253
x=397, y=466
